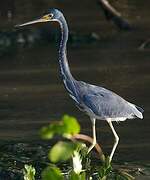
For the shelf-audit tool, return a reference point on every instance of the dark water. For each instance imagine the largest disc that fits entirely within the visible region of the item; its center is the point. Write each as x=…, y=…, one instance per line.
x=32, y=94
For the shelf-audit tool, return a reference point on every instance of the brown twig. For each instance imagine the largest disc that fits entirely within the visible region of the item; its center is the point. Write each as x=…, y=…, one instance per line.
x=90, y=140
x=112, y=14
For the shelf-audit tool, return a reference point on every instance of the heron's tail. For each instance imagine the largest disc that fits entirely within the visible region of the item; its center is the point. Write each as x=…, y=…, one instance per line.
x=138, y=111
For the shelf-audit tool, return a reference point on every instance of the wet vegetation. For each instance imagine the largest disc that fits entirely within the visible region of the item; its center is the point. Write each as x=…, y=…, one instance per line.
x=66, y=159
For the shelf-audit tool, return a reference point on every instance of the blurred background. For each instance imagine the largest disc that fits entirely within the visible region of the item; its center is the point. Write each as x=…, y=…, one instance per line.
x=31, y=92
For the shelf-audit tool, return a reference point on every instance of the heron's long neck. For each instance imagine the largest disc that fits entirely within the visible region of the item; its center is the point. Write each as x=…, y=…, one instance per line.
x=67, y=78
x=64, y=67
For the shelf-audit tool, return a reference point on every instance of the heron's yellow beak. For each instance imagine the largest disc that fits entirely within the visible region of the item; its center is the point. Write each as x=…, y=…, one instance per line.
x=43, y=19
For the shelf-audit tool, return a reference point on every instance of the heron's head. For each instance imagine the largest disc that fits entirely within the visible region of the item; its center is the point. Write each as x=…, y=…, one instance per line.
x=51, y=15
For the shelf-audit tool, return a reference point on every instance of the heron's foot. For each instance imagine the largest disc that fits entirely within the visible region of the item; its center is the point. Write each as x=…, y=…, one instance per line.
x=92, y=146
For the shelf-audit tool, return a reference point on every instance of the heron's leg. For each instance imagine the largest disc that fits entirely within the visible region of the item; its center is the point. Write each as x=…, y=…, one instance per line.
x=116, y=140
x=93, y=120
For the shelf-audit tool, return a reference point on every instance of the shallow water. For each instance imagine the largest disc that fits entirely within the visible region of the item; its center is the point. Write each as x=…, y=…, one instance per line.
x=32, y=94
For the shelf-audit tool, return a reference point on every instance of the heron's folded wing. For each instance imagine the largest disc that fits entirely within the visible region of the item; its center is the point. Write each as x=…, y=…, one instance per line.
x=106, y=104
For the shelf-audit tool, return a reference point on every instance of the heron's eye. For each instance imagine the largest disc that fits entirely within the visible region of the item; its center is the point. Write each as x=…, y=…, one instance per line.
x=48, y=17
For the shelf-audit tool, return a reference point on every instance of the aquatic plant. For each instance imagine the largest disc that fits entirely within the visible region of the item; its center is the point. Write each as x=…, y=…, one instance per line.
x=29, y=172
x=72, y=149
x=68, y=149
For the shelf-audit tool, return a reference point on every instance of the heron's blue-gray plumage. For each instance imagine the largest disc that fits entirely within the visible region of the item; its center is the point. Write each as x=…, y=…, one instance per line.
x=103, y=103
x=96, y=101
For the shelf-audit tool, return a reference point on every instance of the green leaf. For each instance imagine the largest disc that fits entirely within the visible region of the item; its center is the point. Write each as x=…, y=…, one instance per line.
x=52, y=173
x=46, y=133
x=74, y=176
x=61, y=151
x=71, y=125
x=107, y=163
x=101, y=172
x=67, y=127
x=83, y=176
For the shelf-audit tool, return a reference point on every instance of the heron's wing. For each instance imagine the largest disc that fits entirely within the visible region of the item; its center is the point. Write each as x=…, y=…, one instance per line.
x=106, y=104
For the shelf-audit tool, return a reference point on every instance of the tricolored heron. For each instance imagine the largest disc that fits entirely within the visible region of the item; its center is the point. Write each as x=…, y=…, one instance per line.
x=97, y=102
